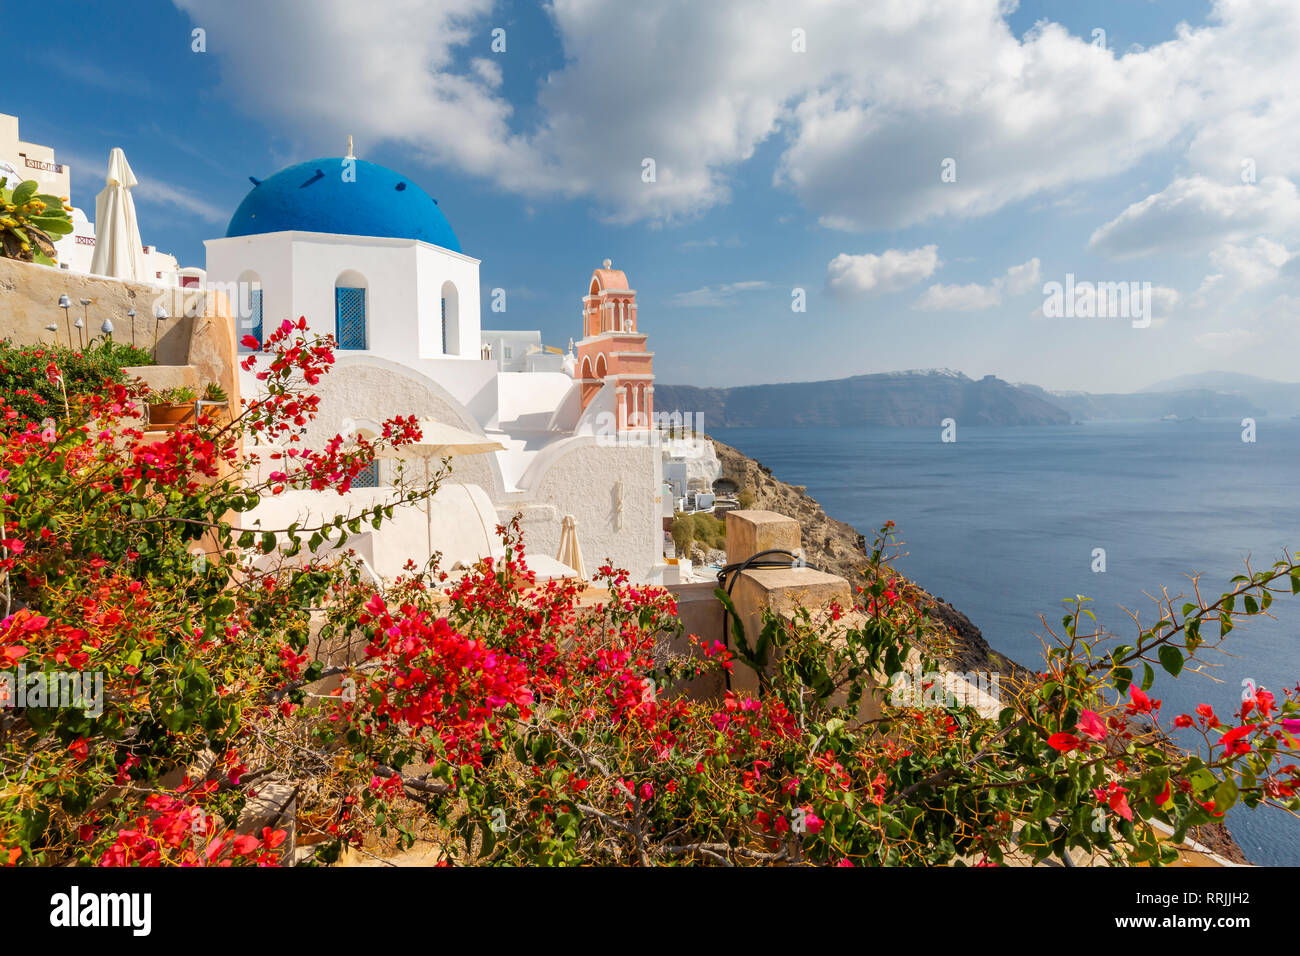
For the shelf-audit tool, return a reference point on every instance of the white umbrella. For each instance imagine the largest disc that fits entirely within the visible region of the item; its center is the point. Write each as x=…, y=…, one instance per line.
x=118, y=249
x=569, y=552
x=439, y=440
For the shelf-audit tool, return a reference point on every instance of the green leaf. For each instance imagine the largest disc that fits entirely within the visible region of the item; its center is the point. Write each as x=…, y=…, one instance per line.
x=1225, y=796
x=24, y=192
x=1202, y=780
x=1171, y=659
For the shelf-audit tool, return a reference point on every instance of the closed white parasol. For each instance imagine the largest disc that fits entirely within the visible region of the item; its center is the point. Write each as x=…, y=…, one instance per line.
x=118, y=249
x=570, y=553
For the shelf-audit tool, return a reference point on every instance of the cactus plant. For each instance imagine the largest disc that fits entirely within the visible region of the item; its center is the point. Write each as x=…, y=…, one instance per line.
x=29, y=220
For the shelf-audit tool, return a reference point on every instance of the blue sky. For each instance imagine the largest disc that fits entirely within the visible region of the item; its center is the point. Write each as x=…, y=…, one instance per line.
x=777, y=169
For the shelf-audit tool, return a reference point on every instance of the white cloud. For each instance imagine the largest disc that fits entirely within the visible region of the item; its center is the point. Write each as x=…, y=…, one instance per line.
x=884, y=93
x=960, y=298
x=894, y=269
x=1241, y=267
x=1269, y=330
x=1020, y=279
x=974, y=297
x=89, y=176
x=717, y=295
x=1193, y=213
x=156, y=191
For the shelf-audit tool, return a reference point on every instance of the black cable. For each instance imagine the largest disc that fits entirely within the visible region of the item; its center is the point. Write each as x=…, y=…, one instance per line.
x=751, y=563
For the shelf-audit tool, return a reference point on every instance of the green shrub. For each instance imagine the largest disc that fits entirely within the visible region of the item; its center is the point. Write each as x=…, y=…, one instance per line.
x=23, y=380
x=710, y=532
x=683, y=531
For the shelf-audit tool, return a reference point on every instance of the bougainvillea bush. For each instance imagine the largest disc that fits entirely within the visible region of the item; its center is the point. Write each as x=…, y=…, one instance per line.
x=488, y=718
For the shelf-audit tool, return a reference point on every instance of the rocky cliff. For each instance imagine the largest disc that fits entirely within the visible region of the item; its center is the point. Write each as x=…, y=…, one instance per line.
x=839, y=548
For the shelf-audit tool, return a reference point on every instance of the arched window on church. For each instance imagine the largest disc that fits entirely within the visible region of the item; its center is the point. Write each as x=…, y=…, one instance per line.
x=250, y=306
x=367, y=477
x=350, y=310
x=450, y=319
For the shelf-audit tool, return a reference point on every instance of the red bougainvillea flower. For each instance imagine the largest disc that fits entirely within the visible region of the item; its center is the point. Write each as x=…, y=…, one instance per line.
x=1291, y=725
x=1139, y=702
x=1091, y=726
x=1117, y=798
x=1233, y=743
x=1063, y=742
x=1183, y=720
x=79, y=749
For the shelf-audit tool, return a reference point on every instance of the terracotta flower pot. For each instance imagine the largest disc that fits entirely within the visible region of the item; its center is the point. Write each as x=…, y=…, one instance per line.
x=166, y=416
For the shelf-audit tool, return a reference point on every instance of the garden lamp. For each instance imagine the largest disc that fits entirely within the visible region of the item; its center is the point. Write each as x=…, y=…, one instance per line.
x=65, y=304
x=159, y=317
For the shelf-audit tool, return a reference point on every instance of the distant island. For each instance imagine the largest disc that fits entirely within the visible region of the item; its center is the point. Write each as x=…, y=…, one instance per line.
x=925, y=397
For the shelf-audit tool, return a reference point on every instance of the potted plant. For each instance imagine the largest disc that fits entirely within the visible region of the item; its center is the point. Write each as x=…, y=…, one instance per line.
x=171, y=407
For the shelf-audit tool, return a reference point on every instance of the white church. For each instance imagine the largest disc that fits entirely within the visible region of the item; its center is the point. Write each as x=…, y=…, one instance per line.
x=365, y=254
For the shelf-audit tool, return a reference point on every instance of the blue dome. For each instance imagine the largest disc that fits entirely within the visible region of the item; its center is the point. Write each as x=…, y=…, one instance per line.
x=313, y=197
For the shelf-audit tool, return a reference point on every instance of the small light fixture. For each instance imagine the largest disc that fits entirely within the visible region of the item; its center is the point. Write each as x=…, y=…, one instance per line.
x=130, y=314
x=65, y=304
x=159, y=317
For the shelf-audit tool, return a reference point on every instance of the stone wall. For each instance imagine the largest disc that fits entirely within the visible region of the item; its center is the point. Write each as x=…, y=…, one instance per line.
x=199, y=332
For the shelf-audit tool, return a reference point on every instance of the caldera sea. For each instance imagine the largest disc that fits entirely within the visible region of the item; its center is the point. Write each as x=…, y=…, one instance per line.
x=1004, y=524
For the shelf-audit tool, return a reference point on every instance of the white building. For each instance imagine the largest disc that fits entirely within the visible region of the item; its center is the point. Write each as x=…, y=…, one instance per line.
x=20, y=160
x=521, y=351
x=366, y=255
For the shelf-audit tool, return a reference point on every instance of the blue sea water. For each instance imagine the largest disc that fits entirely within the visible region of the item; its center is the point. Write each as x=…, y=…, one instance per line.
x=1003, y=523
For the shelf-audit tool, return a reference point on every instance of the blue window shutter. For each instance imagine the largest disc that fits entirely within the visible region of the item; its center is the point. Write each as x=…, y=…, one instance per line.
x=255, y=313
x=367, y=477
x=350, y=317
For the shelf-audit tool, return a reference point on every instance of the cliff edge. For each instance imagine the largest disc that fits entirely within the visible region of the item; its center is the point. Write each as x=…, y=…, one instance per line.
x=839, y=548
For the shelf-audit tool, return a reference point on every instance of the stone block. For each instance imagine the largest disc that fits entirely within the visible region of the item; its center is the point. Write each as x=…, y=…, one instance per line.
x=749, y=532
x=783, y=591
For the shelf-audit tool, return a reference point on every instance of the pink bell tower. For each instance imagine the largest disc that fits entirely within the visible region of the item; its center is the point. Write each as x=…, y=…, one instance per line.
x=612, y=350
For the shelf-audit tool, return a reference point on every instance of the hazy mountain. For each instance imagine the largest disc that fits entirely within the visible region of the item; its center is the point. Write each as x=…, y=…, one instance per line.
x=1187, y=403
x=1275, y=398
x=923, y=397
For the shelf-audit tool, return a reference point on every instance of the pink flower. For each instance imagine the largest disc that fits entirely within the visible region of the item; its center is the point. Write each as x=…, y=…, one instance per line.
x=1291, y=725
x=1091, y=726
